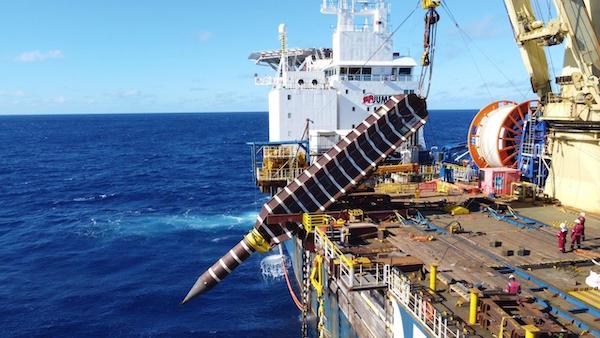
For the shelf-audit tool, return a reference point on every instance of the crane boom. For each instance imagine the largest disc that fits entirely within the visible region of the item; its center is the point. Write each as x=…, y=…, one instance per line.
x=579, y=98
x=529, y=32
x=573, y=114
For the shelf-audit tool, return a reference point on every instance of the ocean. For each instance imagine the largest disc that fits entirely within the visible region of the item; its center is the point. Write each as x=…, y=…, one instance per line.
x=106, y=221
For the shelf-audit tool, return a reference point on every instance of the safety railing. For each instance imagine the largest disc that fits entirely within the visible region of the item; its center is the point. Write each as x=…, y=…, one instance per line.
x=355, y=273
x=281, y=174
x=397, y=188
x=312, y=221
x=428, y=169
x=280, y=82
x=267, y=80
x=377, y=77
x=289, y=151
x=420, y=307
x=462, y=173
x=368, y=276
x=331, y=6
x=332, y=252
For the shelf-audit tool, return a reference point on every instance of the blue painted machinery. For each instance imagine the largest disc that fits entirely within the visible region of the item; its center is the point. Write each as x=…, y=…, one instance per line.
x=451, y=159
x=531, y=158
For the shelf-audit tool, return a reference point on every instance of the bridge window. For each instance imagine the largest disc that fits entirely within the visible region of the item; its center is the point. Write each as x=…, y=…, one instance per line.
x=404, y=71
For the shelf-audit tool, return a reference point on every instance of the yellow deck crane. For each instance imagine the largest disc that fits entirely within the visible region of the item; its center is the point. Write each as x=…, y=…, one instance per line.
x=573, y=114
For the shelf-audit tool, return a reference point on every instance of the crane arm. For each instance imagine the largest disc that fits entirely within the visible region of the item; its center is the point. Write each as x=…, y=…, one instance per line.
x=531, y=36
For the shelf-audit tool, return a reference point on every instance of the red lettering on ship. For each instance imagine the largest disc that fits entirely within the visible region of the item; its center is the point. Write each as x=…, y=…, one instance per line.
x=369, y=99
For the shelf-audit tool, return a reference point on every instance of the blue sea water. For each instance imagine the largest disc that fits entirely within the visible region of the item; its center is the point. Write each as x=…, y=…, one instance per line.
x=107, y=220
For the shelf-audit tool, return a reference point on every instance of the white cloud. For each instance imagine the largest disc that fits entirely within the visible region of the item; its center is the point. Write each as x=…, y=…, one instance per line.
x=131, y=95
x=205, y=36
x=36, y=55
x=14, y=93
x=60, y=99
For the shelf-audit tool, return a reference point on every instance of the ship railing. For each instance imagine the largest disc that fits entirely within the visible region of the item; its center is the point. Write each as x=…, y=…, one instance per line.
x=287, y=151
x=462, y=173
x=420, y=307
x=267, y=80
x=280, y=82
x=333, y=254
x=331, y=6
x=281, y=174
x=370, y=276
x=355, y=273
x=368, y=77
x=433, y=169
x=397, y=188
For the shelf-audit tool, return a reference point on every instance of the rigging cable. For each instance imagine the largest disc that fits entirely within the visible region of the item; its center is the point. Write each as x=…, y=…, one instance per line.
x=466, y=38
x=429, y=40
x=547, y=51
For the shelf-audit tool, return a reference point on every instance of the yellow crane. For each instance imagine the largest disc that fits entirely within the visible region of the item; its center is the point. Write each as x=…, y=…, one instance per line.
x=573, y=114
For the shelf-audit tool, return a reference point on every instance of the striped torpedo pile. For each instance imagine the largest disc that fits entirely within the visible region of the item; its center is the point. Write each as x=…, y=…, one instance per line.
x=325, y=181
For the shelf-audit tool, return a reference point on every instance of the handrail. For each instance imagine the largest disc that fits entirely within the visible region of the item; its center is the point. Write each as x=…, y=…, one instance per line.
x=419, y=307
x=352, y=267
x=277, y=174
x=375, y=77
x=313, y=221
x=281, y=151
x=338, y=253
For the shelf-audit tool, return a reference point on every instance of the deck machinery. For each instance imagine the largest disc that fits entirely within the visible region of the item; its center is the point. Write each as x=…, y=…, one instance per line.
x=431, y=258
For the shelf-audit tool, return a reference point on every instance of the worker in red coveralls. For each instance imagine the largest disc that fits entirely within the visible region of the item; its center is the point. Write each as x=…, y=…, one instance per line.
x=562, y=237
x=513, y=287
x=576, y=234
x=581, y=219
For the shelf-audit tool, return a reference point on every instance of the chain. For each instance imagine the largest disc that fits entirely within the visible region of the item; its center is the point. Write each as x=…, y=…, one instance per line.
x=305, y=292
x=321, y=314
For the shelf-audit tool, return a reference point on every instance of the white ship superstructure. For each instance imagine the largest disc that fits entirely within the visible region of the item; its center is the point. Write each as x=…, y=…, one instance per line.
x=336, y=88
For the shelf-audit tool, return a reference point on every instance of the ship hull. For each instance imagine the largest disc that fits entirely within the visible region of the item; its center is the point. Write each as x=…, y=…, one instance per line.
x=343, y=319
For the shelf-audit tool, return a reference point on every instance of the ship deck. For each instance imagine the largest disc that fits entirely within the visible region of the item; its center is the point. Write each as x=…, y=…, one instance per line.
x=468, y=259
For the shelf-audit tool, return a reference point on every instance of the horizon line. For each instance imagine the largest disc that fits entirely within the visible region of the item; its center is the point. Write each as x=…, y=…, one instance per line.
x=167, y=112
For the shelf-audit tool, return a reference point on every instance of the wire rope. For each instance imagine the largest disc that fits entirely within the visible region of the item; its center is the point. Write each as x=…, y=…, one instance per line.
x=467, y=39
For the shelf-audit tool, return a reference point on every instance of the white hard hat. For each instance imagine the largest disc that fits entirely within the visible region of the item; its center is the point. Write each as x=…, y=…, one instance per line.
x=582, y=214
x=563, y=226
x=511, y=277
x=577, y=221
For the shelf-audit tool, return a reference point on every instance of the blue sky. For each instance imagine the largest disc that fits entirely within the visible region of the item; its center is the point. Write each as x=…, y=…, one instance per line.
x=114, y=56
